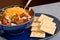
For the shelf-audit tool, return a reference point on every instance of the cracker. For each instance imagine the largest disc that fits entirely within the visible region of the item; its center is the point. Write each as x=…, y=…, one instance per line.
x=35, y=19
x=42, y=17
x=47, y=22
x=48, y=27
x=38, y=34
x=36, y=28
x=35, y=24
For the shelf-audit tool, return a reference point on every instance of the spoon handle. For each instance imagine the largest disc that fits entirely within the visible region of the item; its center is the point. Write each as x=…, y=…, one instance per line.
x=27, y=4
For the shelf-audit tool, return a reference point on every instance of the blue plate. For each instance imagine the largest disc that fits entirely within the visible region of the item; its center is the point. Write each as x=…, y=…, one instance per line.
x=26, y=34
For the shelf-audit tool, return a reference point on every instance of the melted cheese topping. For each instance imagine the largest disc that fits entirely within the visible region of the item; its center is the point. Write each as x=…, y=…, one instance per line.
x=13, y=11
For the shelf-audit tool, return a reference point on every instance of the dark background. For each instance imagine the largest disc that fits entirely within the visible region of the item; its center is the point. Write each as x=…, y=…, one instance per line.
x=4, y=3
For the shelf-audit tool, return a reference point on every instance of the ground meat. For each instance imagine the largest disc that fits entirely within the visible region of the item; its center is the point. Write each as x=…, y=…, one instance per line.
x=20, y=21
x=4, y=21
x=25, y=19
x=22, y=15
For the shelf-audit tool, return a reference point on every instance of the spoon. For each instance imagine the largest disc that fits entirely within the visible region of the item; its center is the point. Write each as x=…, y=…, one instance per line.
x=27, y=4
x=26, y=7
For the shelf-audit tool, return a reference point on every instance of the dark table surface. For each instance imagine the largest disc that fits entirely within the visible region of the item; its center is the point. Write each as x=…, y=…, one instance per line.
x=4, y=3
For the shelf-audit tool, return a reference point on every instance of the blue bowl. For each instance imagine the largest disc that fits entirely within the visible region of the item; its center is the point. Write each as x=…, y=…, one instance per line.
x=18, y=28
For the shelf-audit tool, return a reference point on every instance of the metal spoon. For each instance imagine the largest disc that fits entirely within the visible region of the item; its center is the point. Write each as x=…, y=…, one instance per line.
x=27, y=4
x=26, y=7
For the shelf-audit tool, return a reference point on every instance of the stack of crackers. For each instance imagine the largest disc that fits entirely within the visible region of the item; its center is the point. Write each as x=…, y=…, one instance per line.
x=41, y=25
